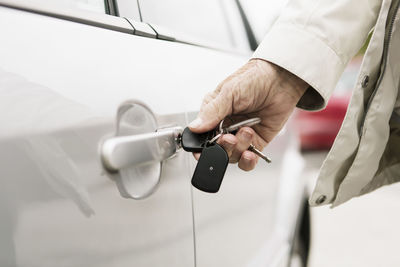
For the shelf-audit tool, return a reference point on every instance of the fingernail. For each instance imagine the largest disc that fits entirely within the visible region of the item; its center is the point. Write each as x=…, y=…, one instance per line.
x=196, y=123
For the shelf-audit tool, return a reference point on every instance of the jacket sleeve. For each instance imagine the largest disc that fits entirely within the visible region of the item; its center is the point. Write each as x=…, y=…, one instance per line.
x=315, y=39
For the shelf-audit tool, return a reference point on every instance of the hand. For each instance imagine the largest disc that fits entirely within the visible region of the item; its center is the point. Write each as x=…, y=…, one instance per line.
x=258, y=89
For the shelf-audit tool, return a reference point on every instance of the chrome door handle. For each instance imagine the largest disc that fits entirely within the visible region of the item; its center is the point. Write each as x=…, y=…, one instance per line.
x=123, y=151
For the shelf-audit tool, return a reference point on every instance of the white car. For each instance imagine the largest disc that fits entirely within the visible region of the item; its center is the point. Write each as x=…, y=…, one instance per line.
x=79, y=75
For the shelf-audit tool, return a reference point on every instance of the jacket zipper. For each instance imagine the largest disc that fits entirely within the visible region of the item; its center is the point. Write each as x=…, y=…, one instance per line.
x=386, y=43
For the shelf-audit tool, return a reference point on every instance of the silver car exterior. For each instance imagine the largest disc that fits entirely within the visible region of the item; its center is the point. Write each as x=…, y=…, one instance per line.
x=64, y=73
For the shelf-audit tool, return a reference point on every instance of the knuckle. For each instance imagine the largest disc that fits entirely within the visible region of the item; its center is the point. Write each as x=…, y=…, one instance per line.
x=229, y=139
x=248, y=130
x=245, y=135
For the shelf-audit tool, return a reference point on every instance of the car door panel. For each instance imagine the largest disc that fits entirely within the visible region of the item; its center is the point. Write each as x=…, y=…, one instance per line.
x=65, y=209
x=63, y=83
x=251, y=220
x=241, y=224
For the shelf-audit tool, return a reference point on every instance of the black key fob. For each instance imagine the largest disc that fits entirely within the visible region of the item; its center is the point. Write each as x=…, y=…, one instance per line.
x=210, y=169
x=193, y=142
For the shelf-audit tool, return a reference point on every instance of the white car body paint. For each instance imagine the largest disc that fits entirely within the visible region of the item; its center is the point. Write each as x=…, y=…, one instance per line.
x=61, y=84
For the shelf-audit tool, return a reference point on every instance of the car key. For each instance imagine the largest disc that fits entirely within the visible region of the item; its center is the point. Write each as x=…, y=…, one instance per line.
x=232, y=129
x=210, y=168
x=194, y=142
x=213, y=161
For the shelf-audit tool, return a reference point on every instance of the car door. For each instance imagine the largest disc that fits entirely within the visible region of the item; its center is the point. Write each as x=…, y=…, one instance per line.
x=66, y=70
x=252, y=219
x=62, y=82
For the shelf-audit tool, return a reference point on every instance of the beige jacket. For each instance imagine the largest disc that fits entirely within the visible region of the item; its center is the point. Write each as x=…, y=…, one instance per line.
x=315, y=40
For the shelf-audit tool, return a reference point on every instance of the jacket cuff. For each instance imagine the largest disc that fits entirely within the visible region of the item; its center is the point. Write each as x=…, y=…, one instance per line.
x=307, y=57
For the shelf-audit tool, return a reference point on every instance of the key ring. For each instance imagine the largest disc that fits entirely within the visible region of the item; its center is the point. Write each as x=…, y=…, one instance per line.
x=215, y=138
x=221, y=131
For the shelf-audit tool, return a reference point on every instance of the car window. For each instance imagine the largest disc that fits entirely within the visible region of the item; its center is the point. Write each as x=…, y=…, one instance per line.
x=128, y=9
x=262, y=14
x=200, y=20
x=97, y=6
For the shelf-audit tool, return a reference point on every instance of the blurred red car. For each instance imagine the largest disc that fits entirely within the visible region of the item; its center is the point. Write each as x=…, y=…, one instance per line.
x=318, y=130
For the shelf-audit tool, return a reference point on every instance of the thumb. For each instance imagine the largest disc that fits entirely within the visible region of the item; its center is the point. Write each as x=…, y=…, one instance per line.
x=211, y=114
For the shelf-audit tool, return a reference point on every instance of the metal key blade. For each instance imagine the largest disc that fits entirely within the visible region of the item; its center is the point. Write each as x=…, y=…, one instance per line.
x=237, y=126
x=253, y=149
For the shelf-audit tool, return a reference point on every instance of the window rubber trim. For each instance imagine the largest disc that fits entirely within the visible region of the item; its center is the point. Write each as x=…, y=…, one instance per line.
x=111, y=7
x=103, y=20
x=249, y=31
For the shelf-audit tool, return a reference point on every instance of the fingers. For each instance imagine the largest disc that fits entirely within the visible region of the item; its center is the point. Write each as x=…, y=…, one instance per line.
x=248, y=161
x=216, y=106
x=239, y=153
x=236, y=148
x=228, y=142
x=245, y=137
